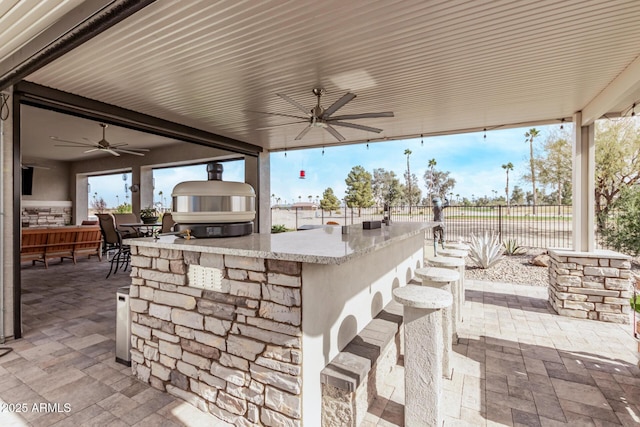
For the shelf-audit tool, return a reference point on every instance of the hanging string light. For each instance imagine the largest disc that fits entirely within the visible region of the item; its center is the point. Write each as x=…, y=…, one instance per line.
x=633, y=110
x=562, y=124
x=421, y=140
x=367, y=144
x=485, y=133
x=323, y=150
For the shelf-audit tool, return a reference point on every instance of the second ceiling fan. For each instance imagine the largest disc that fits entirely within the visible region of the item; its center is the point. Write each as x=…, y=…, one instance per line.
x=102, y=145
x=324, y=118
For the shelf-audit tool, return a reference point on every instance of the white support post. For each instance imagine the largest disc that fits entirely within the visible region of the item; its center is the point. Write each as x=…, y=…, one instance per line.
x=143, y=176
x=257, y=171
x=583, y=186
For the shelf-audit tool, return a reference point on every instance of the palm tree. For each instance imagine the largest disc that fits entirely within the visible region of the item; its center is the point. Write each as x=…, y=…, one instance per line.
x=530, y=135
x=507, y=167
x=432, y=165
x=407, y=153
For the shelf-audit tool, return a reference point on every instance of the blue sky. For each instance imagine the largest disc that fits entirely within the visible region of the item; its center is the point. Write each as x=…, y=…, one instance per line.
x=474, y=161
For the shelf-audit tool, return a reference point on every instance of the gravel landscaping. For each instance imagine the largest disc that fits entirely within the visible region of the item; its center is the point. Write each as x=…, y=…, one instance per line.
x=511, y=269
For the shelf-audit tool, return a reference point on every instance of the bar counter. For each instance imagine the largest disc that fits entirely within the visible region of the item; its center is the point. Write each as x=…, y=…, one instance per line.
x=241, y=327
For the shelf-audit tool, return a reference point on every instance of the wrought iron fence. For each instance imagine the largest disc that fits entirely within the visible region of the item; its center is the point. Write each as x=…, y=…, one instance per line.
x=548, y=226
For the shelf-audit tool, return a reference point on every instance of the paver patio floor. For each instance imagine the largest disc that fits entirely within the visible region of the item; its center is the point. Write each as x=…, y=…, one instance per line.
x=517, y=363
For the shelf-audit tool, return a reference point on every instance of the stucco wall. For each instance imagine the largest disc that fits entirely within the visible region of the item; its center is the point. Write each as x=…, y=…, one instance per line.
x=363, y=287
x=51, y=183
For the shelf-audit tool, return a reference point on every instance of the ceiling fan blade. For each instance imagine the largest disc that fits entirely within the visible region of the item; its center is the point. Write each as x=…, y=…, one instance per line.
x=278, y=114
x=295, y=104
x=108, y=150
x=362, y=116
x=355, y=126
x=119, y=150
x=55, y=138
x=280, y=125
x=334, y=132
x=92, y=150
x=347, y=97
x=123, y=144
x=303, y=133
x=74, y=146
x=33, y=166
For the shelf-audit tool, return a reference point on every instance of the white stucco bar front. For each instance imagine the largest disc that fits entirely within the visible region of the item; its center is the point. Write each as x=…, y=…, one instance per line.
x=283, y=307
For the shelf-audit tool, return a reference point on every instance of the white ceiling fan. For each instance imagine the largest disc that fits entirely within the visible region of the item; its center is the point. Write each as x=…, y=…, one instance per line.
x=324, y=118
x=102, y=145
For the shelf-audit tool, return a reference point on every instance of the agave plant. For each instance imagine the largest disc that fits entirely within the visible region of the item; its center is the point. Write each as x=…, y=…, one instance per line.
x=278, y=228
x=511, y=247
x=486, y=250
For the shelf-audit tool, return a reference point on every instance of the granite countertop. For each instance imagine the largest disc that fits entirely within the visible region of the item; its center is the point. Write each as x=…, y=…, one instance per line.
x=326, y=245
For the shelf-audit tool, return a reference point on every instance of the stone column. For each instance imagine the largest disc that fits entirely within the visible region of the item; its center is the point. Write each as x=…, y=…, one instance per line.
x=423, y=352
x=456, y=264
x=590, y=285
x=442, y=278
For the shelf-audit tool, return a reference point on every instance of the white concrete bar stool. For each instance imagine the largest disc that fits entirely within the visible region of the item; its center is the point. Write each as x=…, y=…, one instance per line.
x=454, y=253
x=442, y=278
x=462, y=254
x=422, y=352
x=454, y=245
x=456, y=264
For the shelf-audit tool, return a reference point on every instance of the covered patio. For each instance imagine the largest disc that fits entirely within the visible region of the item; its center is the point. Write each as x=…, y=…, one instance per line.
x=234, y=76
x=238, y=78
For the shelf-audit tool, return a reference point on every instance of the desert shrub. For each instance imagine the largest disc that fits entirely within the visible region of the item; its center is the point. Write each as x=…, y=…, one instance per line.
x=622, y=231
x=486, y=250
x=511, y=247
x=278, y=228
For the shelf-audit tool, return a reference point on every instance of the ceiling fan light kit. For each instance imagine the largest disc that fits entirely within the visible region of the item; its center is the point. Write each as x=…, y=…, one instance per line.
x=319, y=117
x=102, y=145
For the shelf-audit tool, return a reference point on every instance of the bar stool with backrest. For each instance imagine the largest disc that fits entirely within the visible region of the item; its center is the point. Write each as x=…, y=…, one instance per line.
x=113, y=242
x=167, y=223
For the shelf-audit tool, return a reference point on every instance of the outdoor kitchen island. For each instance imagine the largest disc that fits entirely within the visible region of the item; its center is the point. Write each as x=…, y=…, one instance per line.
x=241, y=327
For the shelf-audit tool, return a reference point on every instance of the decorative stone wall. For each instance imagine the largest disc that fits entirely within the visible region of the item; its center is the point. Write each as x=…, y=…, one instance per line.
x=44, y=214
x=231, y=346
x=590, y=285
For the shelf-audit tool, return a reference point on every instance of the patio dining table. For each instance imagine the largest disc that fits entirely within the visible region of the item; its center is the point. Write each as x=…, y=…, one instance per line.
x=143, y=229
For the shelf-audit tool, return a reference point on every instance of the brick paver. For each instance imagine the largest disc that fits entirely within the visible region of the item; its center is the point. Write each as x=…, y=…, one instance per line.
x=520, y=364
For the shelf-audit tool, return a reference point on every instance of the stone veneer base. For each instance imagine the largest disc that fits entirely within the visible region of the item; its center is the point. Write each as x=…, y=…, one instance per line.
x=234, y=351
x=590, y=285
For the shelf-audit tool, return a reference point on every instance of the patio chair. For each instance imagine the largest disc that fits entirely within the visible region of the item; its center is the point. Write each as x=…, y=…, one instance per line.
x=113, y=243
x=126, y=218
x=167, y=223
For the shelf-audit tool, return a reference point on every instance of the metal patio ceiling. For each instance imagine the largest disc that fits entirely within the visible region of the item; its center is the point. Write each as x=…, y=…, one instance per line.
x=440, y=66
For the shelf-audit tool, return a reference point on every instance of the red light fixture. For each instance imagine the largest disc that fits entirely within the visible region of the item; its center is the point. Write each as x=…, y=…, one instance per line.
x=302, y=174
